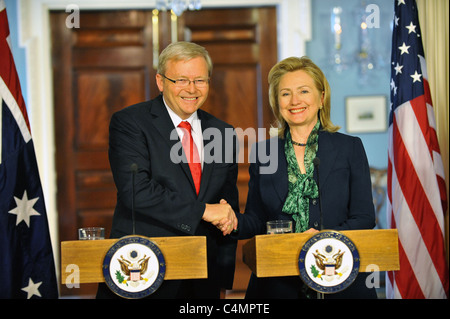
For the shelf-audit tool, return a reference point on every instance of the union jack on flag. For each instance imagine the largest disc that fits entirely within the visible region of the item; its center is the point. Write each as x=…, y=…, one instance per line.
x=417, y=199
x=27, y=267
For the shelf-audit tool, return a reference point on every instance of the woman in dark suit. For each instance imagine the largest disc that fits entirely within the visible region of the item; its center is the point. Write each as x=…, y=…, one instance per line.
x=300, y=99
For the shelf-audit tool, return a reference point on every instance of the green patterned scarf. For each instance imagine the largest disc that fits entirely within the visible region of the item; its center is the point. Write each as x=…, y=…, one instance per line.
x=302, y=187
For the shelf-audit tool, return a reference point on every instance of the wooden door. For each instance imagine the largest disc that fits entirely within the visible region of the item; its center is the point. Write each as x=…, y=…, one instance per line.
x=97, y=69
x=242, y=44
x=107, y=64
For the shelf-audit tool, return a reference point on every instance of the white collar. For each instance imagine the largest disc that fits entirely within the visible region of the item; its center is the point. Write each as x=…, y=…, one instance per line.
x=193, y=120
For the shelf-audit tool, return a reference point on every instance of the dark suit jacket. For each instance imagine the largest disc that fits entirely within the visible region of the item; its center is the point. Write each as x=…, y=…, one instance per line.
x=345, y=191
x=166, y=203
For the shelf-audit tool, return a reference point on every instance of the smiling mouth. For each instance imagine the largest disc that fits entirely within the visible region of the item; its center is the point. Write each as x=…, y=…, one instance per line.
x=298, y=110
x=189, y=98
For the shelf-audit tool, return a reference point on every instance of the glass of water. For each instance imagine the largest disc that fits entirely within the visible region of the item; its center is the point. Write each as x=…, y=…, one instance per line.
x=279, y=227
x=91, y=233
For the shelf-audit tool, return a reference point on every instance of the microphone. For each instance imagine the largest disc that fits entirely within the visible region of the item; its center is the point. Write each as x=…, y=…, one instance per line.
x=134, y=169
x=316, y=162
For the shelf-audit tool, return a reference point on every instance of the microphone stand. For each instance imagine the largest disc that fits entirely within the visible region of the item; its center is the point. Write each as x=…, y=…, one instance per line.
x=316, y=163
x=134, y=168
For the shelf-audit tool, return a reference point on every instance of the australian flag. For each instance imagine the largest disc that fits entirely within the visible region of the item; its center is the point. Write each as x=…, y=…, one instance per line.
x=27, y=267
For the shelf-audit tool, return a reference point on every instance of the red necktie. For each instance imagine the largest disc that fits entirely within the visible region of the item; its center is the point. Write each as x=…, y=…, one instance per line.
x=192, y=154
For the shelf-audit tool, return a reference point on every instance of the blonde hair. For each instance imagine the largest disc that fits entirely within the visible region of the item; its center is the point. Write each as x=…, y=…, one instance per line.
x=295, y=64
x=183, y=51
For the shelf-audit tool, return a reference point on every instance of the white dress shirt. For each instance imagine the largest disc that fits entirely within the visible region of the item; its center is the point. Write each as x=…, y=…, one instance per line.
x=196, y=131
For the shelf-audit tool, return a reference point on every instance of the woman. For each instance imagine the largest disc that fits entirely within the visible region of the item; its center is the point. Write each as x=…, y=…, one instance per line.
x=300, y=100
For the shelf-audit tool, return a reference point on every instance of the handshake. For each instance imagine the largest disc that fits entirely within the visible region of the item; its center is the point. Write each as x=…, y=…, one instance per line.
x=222, y=216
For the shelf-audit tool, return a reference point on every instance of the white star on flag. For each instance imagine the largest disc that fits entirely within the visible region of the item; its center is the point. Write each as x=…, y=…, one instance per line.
x=411, y=27
x=24, y=209
x=32, y=289
x=416, y=76
x=398, y=69
x=396, y=20
x=393, y=87
x=404, y=48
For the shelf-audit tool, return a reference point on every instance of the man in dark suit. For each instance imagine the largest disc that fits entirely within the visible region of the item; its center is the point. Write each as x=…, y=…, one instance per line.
x=180, y=189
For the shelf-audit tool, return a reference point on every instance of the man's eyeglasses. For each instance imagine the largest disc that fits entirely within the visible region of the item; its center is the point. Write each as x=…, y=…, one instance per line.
x=199, y=83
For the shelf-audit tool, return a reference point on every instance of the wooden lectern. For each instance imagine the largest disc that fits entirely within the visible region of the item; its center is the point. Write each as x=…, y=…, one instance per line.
x=185, y=258
x=277, y=255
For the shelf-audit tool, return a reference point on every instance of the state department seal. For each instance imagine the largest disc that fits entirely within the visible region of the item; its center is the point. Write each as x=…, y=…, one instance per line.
x=134, y=267
x=328, y=262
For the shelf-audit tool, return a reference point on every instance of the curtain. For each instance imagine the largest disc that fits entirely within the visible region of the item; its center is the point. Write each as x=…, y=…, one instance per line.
x=433, y=17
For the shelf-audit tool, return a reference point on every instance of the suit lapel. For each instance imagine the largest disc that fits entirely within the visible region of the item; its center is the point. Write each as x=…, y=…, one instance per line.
x=207, y=167
x=165, y=127
x=162, y=122
x=327, y=153
x=280, y=177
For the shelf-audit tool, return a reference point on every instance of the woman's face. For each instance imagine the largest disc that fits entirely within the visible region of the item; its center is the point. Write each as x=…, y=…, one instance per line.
x=299, y=99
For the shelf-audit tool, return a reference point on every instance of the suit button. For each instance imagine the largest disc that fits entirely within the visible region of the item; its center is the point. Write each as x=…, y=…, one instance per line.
x=316, y=224
x=184, y=227
x=314, y=201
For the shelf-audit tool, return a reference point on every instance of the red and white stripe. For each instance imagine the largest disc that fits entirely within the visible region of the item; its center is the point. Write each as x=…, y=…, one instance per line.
x=417, y=201
x=10, y=91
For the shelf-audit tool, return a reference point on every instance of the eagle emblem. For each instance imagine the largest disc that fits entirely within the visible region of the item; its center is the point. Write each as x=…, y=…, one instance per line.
x=133, y=269
x=329, y=262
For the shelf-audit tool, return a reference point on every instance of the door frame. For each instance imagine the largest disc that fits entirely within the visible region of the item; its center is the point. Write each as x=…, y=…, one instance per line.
x=294, y=29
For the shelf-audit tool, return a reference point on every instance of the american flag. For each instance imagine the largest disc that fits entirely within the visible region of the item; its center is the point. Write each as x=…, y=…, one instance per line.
x=27, y=267
x=417, y=198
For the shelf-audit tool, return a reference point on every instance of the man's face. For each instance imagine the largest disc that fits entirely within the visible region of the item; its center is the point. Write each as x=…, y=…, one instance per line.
x=184, y=100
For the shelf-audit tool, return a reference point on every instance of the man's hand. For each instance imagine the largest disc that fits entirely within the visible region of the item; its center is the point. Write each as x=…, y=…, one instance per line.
x=222, y=216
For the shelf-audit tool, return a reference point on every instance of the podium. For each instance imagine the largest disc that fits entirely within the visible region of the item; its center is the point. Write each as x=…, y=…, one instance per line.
x=185, y=258
x=277, y=255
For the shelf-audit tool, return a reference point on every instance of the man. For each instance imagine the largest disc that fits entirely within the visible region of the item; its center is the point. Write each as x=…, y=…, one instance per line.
x=179, y=191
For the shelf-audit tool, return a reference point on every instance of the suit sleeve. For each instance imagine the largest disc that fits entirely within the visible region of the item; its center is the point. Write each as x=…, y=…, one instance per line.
x=226, y=257
x=252, y=222
x=128, y=145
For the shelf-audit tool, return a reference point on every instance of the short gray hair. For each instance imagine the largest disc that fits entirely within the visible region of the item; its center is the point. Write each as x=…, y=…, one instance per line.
x=183, y=51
